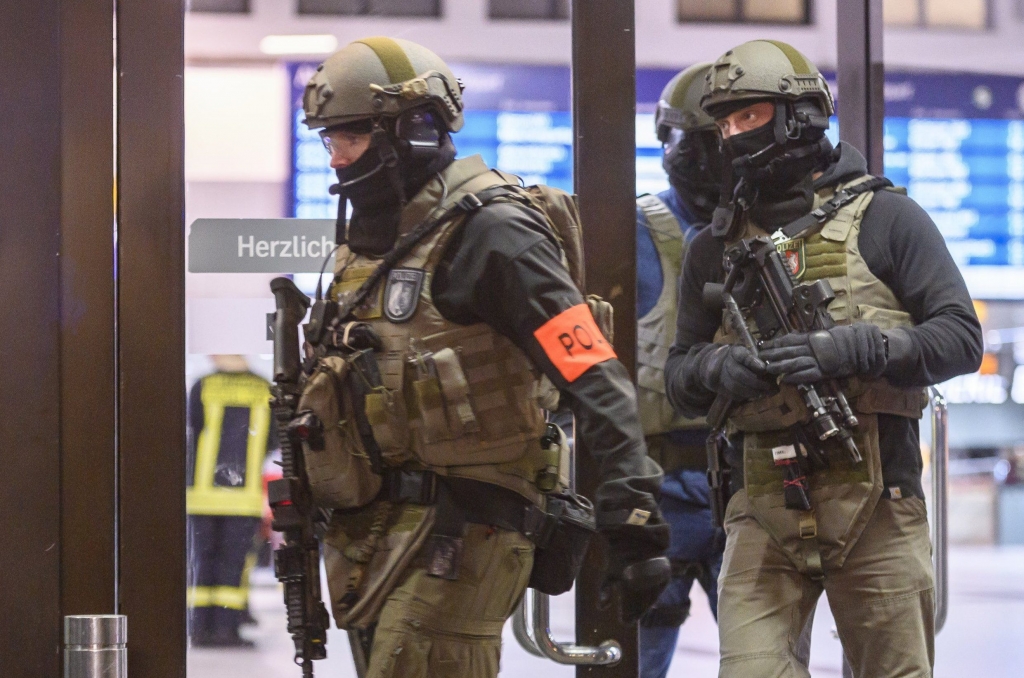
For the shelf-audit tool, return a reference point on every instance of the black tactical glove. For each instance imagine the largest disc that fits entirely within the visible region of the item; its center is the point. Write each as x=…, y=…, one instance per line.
x=843, y=351
x=637, y=568
x=732, y=370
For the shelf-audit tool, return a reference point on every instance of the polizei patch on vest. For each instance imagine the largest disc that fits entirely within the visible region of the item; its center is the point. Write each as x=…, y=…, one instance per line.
x=402, y=293
x=573, y=342
x=793, y=252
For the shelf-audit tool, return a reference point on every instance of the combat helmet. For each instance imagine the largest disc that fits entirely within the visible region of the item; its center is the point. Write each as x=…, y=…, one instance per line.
x=767, y=162
x=689, y=138
x=679, y=104
x=381, y=77
x=759, y=70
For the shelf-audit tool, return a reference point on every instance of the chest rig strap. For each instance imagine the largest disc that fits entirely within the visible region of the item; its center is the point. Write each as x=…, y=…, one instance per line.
x=828, y=209
x=468, y=204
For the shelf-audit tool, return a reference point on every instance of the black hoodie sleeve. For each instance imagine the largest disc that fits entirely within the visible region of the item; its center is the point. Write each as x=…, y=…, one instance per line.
x=504, y=268
x=695, y=326
x=902, y=246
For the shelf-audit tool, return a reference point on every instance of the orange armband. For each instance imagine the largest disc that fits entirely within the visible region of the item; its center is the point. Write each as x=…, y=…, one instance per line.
x=573, y=342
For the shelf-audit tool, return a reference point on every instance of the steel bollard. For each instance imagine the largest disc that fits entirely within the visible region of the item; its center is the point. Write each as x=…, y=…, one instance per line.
x=95, y=646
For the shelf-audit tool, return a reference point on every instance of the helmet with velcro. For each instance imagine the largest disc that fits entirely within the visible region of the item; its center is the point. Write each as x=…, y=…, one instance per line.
x=381, y=77
x=760, y=70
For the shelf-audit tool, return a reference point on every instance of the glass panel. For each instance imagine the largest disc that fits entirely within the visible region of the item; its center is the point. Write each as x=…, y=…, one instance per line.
x=783, y=11
x=902, y=12
x=525, y=9
x=957, y=13
x=342, y=7
x=234, y=6
x=706, y=10
x=405, y=7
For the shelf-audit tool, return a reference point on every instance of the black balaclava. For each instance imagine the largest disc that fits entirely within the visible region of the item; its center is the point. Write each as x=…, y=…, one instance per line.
x=380, y=183
x=694, y=166
x=771, y=168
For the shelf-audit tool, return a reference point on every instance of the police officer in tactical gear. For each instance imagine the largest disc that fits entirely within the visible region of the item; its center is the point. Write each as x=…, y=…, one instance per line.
x=904, y=320
x=474, y=322
x=665, y=224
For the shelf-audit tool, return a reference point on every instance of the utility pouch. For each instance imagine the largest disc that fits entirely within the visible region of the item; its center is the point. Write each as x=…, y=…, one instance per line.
x=426, y=391
x=455, y=391
x=366, y=553
x=338, y=464
x=562, y=535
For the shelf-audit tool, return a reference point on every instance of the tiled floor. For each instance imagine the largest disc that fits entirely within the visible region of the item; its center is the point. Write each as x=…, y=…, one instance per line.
x=982, y=636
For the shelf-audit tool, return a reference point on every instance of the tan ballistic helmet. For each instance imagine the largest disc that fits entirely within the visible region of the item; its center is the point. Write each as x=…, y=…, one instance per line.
x=762, y=69
x=381, y=77
x=679, y=103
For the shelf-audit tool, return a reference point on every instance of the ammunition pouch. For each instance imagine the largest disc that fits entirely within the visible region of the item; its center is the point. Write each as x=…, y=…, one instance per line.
x=568, y=526
x=342, y=460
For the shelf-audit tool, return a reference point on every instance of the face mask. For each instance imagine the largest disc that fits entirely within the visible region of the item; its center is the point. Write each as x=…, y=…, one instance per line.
x=378, y=185
x=694, y=166
x=750, y=144
x=369, y=185
x=778, y=184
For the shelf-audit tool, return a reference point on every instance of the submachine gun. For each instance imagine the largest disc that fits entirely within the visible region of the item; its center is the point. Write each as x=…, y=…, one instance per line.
x=297, y=561
x=758, y=286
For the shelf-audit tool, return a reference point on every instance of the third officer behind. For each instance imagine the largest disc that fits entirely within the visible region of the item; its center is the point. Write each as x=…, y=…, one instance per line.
x=904, y=321
x=665, y=224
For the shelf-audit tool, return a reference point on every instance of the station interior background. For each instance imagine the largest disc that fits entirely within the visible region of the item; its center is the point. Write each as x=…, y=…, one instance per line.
x=954, y=137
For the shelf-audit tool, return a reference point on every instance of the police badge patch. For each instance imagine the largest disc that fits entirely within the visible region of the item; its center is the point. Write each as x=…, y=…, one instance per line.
x=402, y=293
x=793, y=252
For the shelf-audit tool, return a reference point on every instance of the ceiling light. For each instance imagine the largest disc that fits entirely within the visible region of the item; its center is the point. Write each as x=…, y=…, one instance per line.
x=298, y=44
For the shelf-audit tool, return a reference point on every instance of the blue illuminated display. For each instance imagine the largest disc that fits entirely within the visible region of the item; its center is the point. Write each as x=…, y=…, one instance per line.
x=955, y=141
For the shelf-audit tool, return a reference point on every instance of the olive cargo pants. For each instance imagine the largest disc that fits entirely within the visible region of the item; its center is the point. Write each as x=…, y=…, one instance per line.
x=442, y=629
x=882, y=598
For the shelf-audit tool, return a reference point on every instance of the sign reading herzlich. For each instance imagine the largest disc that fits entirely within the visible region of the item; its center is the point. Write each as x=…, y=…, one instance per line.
x=261, y=246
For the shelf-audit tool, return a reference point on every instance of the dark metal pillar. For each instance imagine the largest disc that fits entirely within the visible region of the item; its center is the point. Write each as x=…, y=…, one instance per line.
x=56, y=330
x=151, y=333
x=88, y=382
x=30, y=336
x=861, y=75
x=604, y=115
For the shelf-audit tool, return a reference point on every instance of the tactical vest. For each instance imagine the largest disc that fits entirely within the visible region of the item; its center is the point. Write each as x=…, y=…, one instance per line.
x=842, y=496
x=656, y=330
x=459, y=400
x=218, y=392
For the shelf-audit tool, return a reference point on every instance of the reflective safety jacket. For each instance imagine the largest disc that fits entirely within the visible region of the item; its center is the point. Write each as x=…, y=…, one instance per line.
x=230, y=426
x=461, y=400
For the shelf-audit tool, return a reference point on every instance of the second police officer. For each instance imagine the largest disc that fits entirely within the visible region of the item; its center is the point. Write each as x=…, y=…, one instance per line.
x=904, y=321
x=469, y=320
x=666, y=223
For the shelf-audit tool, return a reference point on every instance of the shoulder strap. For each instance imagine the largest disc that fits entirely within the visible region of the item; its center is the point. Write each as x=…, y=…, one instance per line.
x=660, y=218
x=468, y=204
x=830, y=207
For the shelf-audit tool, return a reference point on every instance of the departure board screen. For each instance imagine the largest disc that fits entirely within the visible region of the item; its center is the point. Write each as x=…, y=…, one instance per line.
x=955, y=141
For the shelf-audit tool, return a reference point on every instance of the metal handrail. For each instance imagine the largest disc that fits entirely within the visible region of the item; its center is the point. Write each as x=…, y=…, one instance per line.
x=607, y=653
x=940, y=494
x=541, y=644
x=521, y=630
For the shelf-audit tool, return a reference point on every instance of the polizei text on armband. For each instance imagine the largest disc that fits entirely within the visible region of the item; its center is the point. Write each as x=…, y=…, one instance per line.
x=296, y=247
